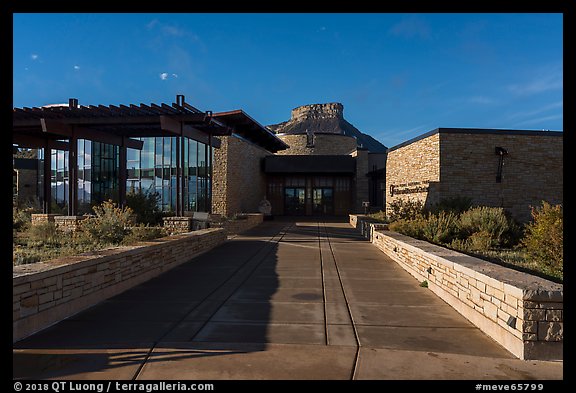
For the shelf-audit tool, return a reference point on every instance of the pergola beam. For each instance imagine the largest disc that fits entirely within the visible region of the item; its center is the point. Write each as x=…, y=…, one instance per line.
x=38, y=142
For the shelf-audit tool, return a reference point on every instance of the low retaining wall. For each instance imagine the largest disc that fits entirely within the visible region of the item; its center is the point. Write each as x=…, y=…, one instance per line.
x=234, y=227
x=47, y=292
x=366, y=225
x=522, y=312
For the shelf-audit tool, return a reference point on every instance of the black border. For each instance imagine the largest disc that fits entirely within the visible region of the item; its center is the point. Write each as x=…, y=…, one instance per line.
x=550, y=6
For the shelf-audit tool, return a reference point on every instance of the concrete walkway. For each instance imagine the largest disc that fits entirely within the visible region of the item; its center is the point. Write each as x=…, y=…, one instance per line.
x=287, y=300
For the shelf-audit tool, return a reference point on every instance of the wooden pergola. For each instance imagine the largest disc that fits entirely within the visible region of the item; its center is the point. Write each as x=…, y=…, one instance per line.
x=59, y=127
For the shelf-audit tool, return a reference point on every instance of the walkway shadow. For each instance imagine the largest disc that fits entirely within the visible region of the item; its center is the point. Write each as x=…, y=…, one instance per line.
x=211, y=301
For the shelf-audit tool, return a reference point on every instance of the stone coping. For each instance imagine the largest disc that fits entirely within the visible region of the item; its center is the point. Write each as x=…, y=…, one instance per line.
x=67, y=263
x=532, y=287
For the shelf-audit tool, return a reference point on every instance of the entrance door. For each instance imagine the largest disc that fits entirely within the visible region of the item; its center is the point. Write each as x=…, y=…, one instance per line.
x=295, y=201
x=322, y=201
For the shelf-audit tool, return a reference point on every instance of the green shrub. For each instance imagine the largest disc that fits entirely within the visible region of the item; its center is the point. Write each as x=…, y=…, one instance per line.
x=401, y=209
x=21, y=218
x=22, y=256
x=409, y=227
x=456, y=205
x=379, y=216
x=440, y=228
x=44, y=233
x=144, y=204
x=491, y=221
x=143, y=232
x=111, y=224
x=544, y=236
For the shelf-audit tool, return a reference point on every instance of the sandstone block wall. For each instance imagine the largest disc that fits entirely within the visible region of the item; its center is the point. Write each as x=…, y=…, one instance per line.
x=415, y=162
x=449, y=164
x=44, y=293
x=234, y=227
x=324, y=144
x=38, y=218
x=68, y=223
x=522, y=312
x=239, y=183
x=531, y=171
x=26, y=184
x=361, y=181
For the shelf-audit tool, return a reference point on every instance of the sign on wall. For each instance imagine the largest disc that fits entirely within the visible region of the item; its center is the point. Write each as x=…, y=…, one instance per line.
x=409, y=188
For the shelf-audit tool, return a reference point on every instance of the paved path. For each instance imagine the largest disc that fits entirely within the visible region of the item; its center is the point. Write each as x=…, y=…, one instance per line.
x=287, y=300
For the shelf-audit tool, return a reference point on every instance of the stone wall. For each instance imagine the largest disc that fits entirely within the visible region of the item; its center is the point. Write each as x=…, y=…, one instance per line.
x=416, y=162
x=62, y=222
x=26, y=184
x=324, y=144
x=68, y=223
x=239, y=183
x=47, y=292
x=178, y=224
x=463, y=163
x=361, y=181
x=241, y=224
x=522, y=312
x=40, y=218
x=531, y=172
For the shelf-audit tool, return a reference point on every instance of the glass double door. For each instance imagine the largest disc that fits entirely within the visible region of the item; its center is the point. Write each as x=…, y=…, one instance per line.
x=320, y=201
x=295, y=201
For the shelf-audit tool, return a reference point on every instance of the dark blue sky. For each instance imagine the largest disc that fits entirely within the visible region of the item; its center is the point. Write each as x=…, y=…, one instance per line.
x=397, y=75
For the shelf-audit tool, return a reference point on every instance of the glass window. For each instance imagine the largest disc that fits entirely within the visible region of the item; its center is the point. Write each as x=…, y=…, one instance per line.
x=147, y=153
x=87, y=153
x=80, y=160
x=132, y=155
x=158, y=151
x=167, y=151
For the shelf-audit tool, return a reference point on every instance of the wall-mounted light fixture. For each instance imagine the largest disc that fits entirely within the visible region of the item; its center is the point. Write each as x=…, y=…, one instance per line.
x=501, y=152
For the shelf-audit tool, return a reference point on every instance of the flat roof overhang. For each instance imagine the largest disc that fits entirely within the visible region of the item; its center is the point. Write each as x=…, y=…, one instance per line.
x=301, y=164
x=246, y=127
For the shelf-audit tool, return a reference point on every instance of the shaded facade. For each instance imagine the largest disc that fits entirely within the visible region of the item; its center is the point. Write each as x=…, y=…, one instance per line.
x=87, y=154
x=329, y=167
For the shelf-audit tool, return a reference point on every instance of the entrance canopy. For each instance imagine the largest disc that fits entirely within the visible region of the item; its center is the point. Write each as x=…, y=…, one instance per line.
x=329, y=164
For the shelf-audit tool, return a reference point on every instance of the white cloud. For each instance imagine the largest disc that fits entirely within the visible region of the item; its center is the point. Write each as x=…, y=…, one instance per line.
x=542, y=80
x=537, y=111
x=164, y=76
x=76, y=67
x=34, y=56
x=410, y=27
x=175, y=75
x=539, y=120
x=482, y=100
x=152, y=23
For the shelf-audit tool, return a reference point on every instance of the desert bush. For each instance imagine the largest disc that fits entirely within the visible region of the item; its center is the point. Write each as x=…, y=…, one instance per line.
x=440, y=228
x=379, y=216
x=144, y=204
x=401, y=209
x=544, y=237
x=21, y=218
x=111, y=224
x=44, y=233
x=143, y=232
x=490, y=221
x=456, y=205
x=409, y=227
